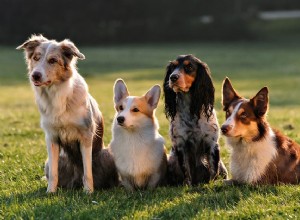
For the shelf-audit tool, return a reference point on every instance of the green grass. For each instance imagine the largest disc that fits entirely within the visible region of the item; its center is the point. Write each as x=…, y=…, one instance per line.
x=250, y=66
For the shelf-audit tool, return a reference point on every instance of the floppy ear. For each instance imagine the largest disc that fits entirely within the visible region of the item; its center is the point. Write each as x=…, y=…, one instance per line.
x=229, y=94
x=69, y=50
x=152, y=96
x=30, y=45
x=120, y=90
x=260, y=102
x=169, y=94
x=202, y=91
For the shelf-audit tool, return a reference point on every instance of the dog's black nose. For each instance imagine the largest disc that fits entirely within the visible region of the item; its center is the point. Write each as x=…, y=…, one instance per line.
x=225, y=129
x=36, y=76
x=174, y=77
x=120, y=119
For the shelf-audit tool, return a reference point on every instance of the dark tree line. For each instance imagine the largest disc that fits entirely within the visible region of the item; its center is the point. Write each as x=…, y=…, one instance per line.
x=111, y=21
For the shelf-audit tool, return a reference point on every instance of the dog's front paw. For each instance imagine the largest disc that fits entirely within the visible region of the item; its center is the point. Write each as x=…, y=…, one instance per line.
x=88, y=185
x=230, y=182
x=51, y=189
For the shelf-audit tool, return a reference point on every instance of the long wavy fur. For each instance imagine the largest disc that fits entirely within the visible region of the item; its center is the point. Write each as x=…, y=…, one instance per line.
x=202, y=92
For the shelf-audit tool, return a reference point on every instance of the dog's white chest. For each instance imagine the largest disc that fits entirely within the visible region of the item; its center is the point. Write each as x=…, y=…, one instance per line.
x=250, y=161
x=135, y=155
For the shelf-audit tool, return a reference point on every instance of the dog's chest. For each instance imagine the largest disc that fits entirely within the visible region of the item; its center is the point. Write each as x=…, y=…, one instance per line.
x=249, y=162
x=67, y=124
x=135, y=156
x=184, y=128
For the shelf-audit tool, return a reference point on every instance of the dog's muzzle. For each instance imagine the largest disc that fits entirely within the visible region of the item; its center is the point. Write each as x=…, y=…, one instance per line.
x=174, y=77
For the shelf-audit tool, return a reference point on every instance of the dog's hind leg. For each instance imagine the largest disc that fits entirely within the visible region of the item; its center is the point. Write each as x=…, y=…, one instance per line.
x=53, y=156
x=86, y=152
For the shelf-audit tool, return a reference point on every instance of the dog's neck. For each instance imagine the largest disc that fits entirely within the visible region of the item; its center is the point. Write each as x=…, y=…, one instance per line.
x=183, y=102
x=249, y=160
x=55, y=98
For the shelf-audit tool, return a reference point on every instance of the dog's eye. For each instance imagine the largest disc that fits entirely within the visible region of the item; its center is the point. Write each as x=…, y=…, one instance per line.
x=188, y=68
x=52, y=61
x=36, y=58
x=135, y=110
x=243, y=115
x=121, y=108
x=227, y=113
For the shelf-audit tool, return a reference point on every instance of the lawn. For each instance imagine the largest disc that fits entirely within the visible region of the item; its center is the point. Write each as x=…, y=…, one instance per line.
x=250, y=66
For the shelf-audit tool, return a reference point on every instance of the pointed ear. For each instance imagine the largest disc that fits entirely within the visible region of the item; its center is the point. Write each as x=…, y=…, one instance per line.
x=261, y=102
x=152, y=96
x=229, y=94
x=120, y=90
x=32, y=42
x=69, y=50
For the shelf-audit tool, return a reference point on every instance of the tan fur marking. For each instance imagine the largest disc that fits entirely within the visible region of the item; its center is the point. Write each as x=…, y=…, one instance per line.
x=142, y=105
x=186, y=62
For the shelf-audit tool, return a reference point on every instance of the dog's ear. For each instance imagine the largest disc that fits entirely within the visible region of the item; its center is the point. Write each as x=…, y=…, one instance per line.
x=69, y=50
x=169, y=94
x=30, y=45
x=261, y=102
x=202, y=91
x=152, y=96
x=228, y=93
x=120, y=90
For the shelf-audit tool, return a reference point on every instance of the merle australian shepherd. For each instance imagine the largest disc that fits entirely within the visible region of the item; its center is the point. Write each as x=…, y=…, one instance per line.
x=260, y=154
x=194, y=129
x=70, y=117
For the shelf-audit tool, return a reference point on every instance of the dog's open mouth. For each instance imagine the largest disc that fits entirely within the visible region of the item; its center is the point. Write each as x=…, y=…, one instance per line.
x=38, y=84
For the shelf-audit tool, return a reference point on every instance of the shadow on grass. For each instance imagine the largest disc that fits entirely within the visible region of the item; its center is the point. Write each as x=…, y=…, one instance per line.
x=165, y=202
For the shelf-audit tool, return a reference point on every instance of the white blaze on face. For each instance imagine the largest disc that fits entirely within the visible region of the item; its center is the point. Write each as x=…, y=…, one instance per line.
x=41, y=65
x=231, y=122
x=126, y=111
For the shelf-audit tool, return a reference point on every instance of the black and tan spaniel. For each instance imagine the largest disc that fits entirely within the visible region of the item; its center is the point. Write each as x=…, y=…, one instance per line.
x=194, y=130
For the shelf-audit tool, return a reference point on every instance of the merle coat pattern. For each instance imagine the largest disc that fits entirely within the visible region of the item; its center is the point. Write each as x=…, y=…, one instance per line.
x=70, y=117
x=194, y=129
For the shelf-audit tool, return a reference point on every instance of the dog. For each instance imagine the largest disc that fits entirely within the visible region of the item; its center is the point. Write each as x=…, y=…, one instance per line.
x=194, y=129
x=137, y=146
x=260, y=154
x=70, y=117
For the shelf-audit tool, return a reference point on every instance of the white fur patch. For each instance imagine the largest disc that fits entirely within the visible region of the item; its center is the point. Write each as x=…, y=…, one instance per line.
x=249, y=161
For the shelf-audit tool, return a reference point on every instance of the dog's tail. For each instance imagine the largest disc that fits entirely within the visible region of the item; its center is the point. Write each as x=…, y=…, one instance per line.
x=70, y=174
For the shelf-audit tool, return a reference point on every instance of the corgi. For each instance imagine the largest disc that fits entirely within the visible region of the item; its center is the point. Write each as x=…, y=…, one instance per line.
x=136, y=145
x=260, y=154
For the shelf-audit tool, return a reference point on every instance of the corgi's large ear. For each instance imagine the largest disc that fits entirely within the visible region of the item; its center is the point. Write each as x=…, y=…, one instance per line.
x=261, y=102
x=120, y=90
x=30, y=45
x=229, y=94
x=152, y=96
x=69, y=50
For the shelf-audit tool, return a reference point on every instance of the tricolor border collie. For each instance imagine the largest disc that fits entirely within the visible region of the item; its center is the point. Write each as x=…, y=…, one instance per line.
x=137, y=146
x=70, y=117
x=260, y=154
x=194, y=130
